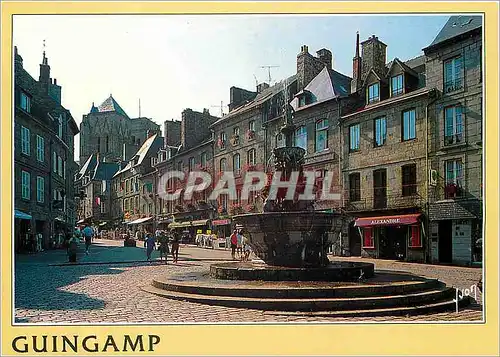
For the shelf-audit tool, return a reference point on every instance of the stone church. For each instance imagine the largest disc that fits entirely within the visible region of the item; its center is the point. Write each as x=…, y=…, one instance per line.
x=109, y=131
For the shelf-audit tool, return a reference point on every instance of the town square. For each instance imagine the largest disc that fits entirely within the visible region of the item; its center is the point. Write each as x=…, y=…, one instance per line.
x=280, y=181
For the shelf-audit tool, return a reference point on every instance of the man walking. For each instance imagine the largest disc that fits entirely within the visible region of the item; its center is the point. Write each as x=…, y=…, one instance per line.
x=87, y=234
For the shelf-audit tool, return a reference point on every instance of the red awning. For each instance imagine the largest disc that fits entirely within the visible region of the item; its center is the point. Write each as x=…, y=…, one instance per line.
x=387, y=220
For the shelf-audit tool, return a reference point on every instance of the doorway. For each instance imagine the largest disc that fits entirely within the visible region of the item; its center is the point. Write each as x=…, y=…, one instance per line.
x=445, y=241
x=392, y=242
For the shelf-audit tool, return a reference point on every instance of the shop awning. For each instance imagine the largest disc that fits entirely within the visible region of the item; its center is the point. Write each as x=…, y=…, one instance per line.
x=387, y=220
x=141, y=220
x=200, y=222
x=21, y=215
x=179, y=224
x=221, y=222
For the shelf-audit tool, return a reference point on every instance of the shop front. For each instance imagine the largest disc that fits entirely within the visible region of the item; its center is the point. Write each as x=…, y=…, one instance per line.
x=189, y=229
x=222, y=227
x=392, y=237
x=24, y=241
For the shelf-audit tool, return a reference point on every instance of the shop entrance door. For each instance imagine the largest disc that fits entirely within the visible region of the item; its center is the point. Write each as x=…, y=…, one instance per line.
x=445, y=241
x=393, y=242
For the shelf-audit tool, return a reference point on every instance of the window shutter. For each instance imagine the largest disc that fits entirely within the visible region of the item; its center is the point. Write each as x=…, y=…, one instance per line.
x=368, y=238
x=415, y=236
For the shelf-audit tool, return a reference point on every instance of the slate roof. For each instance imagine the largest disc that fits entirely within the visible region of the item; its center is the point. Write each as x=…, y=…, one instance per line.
x=105, y=170
x=88, y=166
x=259, y=99
x=456, y=26
x=152, y=144
x=455, y=209
x=110, y=105
x=403, y=65
x=341, y=83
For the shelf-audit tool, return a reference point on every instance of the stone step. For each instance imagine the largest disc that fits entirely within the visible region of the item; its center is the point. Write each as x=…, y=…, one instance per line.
x=440, y=306
x=312, y=304
x=296, y=291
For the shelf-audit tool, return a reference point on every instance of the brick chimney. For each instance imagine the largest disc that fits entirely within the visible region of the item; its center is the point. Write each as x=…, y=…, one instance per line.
x=44, y=77
x=309, y=66
x=325, y=56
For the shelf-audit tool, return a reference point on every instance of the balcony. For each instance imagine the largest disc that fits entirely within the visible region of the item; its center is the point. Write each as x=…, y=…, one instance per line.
x=453, y=85
x=453, y=139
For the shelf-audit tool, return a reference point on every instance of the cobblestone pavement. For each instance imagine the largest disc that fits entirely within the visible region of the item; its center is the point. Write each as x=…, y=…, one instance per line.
x=104, y=287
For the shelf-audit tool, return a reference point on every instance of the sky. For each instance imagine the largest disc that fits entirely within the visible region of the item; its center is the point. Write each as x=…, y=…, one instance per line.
x=174, y=62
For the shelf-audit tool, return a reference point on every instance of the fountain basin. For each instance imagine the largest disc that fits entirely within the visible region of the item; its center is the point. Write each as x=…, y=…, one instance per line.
x=291, y=239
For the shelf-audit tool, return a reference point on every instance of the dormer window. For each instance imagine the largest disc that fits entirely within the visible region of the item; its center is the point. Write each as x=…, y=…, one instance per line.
x=373, y=92
x=25, y=102
x=396, y=85
x=306, y=98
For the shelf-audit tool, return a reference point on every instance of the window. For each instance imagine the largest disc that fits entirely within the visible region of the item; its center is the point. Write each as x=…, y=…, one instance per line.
x=380, y=131
x=60, y=127
x=107, y=143
x=191, y=164
x=454, y=178
x=103, y=207
x=409, y=130
x=180, y=166
x=223, y=164
x=136, y=199
x=373, y=93
x=414, y=241
x=251, y=157
x=453, y=133
x=321, y=135
x=354, y=187
x=251, y=125
x=40, y=148
x=301, y=137
x=396, y=85
x=236, y=131
x=453, y=74
x=64, y=169
x=59, y=166
x=236, y=163
x=150, y=208
x=40, y=189
x=409, y=179
x=302, y=100
x=25, y=140
x=354, y=132
x=203, y=159
x=280, y=140
x=127, y=186
x=98, y=144
x=25, y=102
x=54, y=162
x=222, y=140
x=368, y=241
x=25, y=185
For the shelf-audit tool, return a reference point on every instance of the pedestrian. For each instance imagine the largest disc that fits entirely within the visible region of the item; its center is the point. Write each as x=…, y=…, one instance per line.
x=248, y=249
x=239, y=243
x=163, y=246
x=149, y=243
x=87, y=234
x=175, y=245
x=72, y=248
x=234, y=244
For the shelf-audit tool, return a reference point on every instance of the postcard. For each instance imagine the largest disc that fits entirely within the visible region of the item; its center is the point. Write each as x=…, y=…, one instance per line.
x=236, y=178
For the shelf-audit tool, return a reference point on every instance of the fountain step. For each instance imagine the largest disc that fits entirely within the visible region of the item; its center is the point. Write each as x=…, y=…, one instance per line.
x=440, y=306
x=312, y=304
x=294, y=290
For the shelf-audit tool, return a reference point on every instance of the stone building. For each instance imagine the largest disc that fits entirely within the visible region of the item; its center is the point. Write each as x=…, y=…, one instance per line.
x=383, y=161
x=93, y=186
x=454, y=68
x=133, y=187
x=43, y=160
x=195, y=153
x=109, y=131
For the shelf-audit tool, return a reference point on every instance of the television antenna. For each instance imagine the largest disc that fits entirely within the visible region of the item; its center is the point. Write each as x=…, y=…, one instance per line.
x=269, y=71
x=221, y=106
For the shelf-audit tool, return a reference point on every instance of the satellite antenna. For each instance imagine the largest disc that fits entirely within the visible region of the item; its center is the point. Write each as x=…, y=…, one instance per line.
x=269, y=71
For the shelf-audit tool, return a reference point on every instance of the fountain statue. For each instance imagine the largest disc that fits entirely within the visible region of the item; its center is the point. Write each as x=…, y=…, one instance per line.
x=290, y=232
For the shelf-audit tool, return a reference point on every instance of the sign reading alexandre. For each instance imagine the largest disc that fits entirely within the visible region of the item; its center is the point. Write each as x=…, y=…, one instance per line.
x=387, y=220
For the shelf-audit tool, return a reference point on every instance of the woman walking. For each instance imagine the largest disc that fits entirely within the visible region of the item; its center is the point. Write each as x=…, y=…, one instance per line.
x=175, y=245
x=163, y=246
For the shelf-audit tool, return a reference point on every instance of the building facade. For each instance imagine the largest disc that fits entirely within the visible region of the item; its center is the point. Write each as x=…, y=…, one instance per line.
x=454, y=68
x=43, y=160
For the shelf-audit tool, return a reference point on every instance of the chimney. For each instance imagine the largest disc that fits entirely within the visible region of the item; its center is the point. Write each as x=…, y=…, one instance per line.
x=44, y=77
x=356, y=68
x=373, y=55
x=18, y=60
x=262, y=86
x=150, y=133
x=325, y=56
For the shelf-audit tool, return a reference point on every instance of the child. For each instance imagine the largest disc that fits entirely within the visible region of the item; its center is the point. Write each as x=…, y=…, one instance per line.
x=248, y=249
